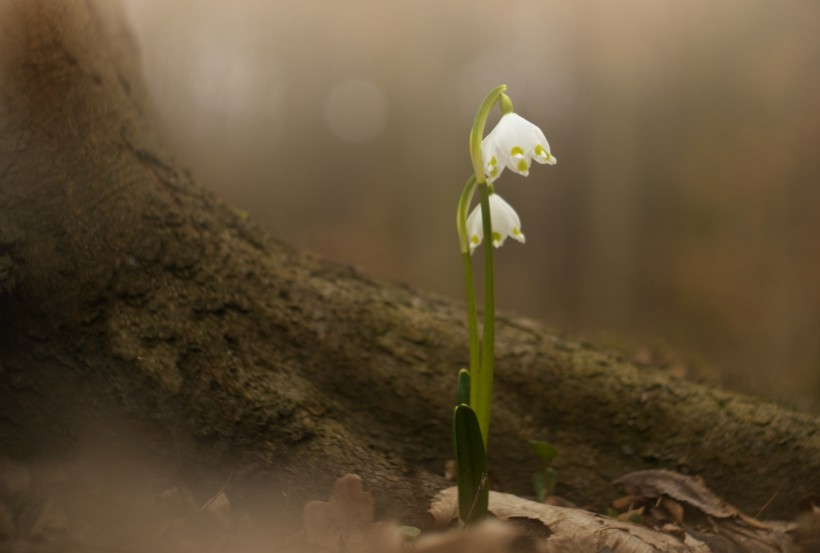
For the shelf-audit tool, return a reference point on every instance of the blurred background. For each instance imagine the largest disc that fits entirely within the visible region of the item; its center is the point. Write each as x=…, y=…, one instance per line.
x=684, y=212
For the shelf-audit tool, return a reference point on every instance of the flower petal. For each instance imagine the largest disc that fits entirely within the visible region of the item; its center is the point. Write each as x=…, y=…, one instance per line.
x=505, y=222
x=514, y=143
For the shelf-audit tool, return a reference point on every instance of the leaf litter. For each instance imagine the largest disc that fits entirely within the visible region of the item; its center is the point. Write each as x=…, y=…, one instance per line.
x=676, y=513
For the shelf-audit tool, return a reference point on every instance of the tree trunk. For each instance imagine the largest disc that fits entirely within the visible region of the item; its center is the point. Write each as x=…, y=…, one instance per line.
x=139, y=312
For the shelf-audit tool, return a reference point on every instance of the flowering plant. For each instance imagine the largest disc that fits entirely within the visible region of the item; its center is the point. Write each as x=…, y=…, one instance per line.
x=506, y=223
x=513, y=144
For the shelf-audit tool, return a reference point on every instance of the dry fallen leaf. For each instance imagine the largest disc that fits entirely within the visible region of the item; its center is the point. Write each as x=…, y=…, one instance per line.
x=694, y=509
x=218, y=510
x=490, y=536
x=344, y=523
x=181, y=525
x=808, y=524
x=572, y=530
x=51, y=523
x=669, y=509
x=680, y=487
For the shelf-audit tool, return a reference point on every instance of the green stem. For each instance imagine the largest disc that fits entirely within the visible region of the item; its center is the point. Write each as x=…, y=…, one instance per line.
x=472, y=313
x=481, y=388
x=477, y=132
x=481, y=363
x=469, y=282
x=461, y=214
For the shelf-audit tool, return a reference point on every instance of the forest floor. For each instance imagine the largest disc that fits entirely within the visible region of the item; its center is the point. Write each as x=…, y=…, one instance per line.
x=91, y=504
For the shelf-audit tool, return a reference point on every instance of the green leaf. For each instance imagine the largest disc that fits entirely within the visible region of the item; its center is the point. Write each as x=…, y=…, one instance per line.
x=544, y=451
x=636, y=519
x=471, y=465
x=539, y=486
x=544, y=482
x=551, y=480
x=409, y=531
x=463, y=387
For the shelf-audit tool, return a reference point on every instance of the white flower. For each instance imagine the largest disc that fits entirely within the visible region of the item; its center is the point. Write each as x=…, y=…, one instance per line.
x=504, y=219
x=514, y=143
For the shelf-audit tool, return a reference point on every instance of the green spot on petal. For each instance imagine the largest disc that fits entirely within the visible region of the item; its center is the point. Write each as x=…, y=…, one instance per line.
x=522, y=166
x=496, y=237
x=517, y=151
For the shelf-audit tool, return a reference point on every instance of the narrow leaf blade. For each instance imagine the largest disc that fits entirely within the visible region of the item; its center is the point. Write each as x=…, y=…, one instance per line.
x=463, y=387
x=544, y=451
x=471, y=465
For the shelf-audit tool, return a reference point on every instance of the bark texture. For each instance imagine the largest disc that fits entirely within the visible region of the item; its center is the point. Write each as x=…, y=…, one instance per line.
x=140, y=312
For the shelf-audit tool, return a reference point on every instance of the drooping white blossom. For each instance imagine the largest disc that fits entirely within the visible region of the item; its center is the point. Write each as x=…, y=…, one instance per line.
x=514, y=143
x=505, y=222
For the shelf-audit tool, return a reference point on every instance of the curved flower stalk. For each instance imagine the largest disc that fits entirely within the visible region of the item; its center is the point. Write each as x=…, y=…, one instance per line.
x=506, y=223
x=514, y=143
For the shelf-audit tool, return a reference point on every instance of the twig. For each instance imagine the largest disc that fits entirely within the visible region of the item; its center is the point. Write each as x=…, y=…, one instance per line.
x=769, y=502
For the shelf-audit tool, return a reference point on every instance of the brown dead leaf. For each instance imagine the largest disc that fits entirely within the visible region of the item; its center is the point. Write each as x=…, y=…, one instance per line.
x=170, y=508
x=734, y=536
x=572, y=530
x=384, y=537
x=181, y=524
x=808, y=529
x=630, y=515
x=341, y=525
x=490, y=536
x=558, y=501
x=688, y=503
x=626, y=502
x=667, y=508
x=450, y=470
x=218, y=510
x=51, y=523
x=680, y=487
x=578, y=531
x=673, y=530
